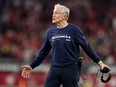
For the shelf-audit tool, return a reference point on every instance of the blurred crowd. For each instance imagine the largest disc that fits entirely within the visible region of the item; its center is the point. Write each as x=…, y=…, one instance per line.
x=23, y=24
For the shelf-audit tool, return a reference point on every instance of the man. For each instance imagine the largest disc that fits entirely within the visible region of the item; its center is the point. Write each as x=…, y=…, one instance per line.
x=64, y=40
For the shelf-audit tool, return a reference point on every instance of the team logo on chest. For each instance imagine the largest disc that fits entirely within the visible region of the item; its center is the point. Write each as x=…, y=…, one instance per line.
x=61, y=36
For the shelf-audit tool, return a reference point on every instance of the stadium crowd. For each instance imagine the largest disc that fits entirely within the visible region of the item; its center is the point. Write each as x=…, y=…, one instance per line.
x=23, y=24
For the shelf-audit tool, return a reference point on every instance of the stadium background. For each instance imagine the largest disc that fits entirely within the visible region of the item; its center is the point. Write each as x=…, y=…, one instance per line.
x=23, y=24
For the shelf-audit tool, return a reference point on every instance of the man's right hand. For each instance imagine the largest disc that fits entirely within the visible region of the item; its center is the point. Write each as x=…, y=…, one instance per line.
x=26, y=71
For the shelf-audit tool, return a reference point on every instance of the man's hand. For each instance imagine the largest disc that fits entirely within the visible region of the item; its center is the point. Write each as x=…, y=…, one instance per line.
x=26, y=71
x=102, y=65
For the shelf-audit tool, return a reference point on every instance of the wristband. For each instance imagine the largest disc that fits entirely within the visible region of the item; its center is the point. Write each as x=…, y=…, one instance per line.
x=100, y=62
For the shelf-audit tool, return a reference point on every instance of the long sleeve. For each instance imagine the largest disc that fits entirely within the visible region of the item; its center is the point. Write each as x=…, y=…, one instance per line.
x=42, y=53
x=86, y=47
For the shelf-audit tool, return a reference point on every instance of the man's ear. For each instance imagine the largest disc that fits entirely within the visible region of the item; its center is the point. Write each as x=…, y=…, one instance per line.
x=65, y=17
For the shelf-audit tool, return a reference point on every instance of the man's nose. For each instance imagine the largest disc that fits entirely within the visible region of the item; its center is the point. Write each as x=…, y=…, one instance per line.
x=53, y=15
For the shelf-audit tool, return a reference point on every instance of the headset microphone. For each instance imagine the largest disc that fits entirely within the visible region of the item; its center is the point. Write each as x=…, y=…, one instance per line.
x=105, y=70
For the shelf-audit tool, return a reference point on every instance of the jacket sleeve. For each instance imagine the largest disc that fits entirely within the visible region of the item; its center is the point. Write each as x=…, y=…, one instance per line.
x=86, y=46
x=42, y=53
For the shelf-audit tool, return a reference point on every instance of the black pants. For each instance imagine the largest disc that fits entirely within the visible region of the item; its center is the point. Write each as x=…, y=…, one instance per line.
x=67, y=76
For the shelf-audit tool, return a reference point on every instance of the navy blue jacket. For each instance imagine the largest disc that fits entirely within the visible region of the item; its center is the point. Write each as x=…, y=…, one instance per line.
x=64, y=44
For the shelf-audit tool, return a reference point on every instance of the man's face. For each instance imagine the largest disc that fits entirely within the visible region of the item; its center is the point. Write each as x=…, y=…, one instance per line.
x=57, y=16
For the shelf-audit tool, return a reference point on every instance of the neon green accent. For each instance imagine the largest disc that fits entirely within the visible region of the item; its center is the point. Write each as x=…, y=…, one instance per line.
x=100, y=62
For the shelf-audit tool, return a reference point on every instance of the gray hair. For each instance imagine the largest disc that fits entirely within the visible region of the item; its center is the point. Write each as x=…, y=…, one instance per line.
x=64, y=9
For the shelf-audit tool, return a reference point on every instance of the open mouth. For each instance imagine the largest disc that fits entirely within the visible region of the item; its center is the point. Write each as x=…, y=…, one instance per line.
x=53, y=18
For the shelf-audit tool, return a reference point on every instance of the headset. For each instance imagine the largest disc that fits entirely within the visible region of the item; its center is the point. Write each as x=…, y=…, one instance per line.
x=105, y=70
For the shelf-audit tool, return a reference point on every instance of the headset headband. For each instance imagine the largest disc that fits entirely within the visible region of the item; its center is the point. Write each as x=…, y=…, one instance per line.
x=105, y=70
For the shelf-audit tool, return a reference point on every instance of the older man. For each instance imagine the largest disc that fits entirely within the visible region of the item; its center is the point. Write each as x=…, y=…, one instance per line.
x=64, y=40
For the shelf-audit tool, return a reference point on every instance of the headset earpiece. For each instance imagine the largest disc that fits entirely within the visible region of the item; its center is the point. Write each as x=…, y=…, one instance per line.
x=105, y=70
